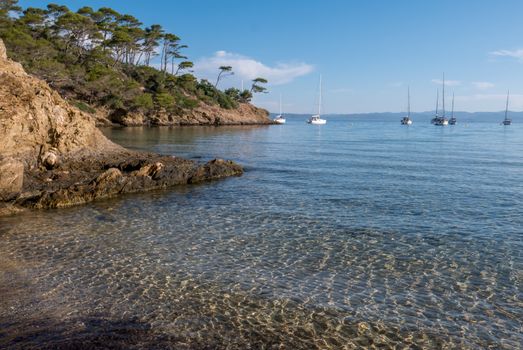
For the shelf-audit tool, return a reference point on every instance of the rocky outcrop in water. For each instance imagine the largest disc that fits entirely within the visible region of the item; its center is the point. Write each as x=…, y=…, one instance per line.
x=204, y=114
x=52, y=155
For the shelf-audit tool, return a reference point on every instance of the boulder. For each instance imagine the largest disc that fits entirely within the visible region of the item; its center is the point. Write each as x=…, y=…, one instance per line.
x=110, y=175
x=11, y=178
x=151, y=170
x=215, y=169
x=50, y=159
x=3, y=51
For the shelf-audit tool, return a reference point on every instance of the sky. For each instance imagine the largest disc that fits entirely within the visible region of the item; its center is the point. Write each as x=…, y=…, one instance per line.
x=367, y=51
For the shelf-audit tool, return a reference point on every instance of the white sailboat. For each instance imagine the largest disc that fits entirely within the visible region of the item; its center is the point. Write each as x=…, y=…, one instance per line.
x=406, y=120
x=452, y=120
x=280, y=119
x=507, y=121
x=442, y=121
x=316, y=119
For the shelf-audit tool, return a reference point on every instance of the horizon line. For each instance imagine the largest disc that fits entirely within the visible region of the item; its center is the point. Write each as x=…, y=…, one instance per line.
x=399, y=112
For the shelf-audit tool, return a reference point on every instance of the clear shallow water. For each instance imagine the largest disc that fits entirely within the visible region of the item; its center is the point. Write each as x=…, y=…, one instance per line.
x=352, y=234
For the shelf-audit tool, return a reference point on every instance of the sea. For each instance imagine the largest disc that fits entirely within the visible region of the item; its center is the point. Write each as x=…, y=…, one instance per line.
x=361, y=233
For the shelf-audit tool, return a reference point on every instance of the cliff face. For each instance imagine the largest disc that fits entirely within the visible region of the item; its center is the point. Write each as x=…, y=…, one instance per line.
x=52, y=155
x=34, y=119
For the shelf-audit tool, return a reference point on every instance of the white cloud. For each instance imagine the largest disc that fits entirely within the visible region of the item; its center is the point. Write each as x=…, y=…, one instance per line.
x=518, y=54
x=447, y=82
x=248, y=68
x=482, y=85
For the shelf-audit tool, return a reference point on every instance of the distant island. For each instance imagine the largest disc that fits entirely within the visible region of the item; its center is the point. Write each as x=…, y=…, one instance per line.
x=118, y=71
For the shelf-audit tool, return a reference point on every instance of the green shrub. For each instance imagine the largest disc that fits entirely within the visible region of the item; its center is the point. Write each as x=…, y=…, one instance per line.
x=84, y=107
x=188, y=103
x=143, y=101
x=164, y=100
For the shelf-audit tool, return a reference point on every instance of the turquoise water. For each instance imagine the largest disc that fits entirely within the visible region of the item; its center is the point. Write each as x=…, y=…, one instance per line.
x=354, y=234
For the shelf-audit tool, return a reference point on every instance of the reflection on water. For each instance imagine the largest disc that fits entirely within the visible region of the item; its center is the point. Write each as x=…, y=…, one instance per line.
x=338, y=240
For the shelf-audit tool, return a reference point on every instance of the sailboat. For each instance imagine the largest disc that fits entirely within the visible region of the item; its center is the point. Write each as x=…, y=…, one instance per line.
x=452, y=120
x=280, y=119
x=406, y=120
x=442, y=121
x=316, y=119
x=436, y=117
x=506, y=121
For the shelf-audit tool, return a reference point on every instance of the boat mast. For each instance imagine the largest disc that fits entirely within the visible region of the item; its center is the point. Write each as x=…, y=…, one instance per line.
x=280, y=106
x=408, y=102
x=506, y=107
x=319, y=102
x=443, y=97
x=452, y=114
x=437, y=101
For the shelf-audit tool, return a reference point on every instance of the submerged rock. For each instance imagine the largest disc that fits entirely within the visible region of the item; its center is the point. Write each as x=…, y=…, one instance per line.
x=216, y=169
x=52, y=155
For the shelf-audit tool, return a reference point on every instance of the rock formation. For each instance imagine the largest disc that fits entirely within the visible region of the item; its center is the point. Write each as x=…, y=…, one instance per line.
x=52, y=154
x=204, y=114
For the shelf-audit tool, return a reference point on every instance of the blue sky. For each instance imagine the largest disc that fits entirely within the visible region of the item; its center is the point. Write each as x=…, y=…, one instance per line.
x=367, y=51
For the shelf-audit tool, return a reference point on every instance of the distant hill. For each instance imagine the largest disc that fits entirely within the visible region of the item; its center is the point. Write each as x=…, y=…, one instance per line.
x=494, y=117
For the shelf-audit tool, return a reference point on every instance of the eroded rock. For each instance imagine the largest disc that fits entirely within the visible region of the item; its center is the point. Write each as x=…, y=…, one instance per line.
x=109, y=175
x=34, y=117
x=151, y=170
x=50, y=159
x=3, y=51
x=37, y=127
x=216, y=169
x=11, y=178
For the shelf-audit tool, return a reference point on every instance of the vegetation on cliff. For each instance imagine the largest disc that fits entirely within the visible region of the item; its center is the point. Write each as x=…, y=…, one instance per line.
x=101, y=58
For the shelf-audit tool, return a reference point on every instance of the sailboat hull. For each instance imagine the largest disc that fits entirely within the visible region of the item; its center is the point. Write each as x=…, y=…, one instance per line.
x=279, y=119
x=317, y=121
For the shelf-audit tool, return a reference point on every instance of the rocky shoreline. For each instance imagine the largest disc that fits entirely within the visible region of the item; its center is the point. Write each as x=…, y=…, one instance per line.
x=203, y=115
x=84, y=179
x=52, y=155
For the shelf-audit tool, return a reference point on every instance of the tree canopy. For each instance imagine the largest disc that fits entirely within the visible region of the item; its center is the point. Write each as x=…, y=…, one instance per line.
x=108, y=59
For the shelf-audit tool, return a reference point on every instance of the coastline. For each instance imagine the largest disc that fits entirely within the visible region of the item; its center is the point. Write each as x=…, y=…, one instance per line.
x=203, y=115
x=52, y=155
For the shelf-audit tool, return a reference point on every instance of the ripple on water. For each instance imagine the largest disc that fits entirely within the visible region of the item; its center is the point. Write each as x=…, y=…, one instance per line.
x=362, y=250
